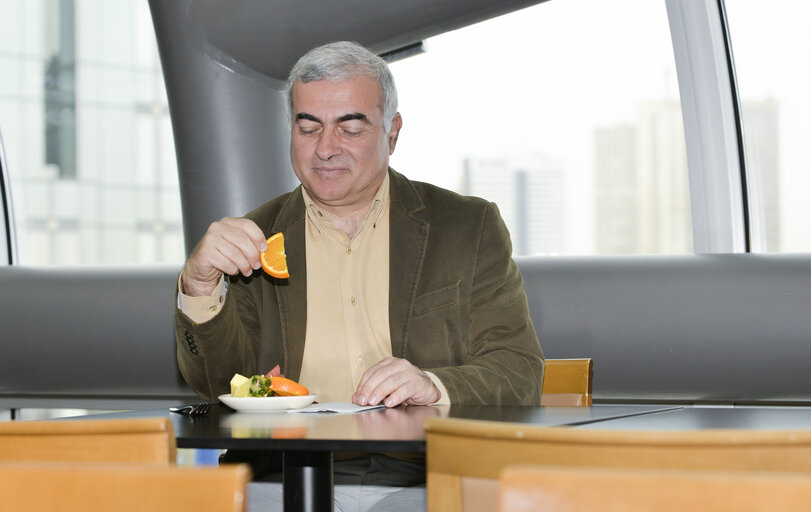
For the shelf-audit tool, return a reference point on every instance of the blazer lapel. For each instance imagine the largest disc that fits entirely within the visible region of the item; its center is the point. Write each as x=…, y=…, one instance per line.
x=408, y=239
x=292, y=294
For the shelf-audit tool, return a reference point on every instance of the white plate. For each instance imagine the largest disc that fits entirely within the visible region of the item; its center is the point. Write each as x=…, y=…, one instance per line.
x=267, y=403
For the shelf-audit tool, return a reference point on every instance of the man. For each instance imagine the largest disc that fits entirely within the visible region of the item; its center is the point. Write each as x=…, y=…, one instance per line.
x=399, y=292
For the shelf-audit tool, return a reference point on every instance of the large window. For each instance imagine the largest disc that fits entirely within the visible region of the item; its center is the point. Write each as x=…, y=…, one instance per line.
x=84, y=119
x=772, y=46
x=567, y=115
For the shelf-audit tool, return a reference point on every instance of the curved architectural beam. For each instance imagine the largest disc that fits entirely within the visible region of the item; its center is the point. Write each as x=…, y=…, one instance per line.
x=225, y=64
x=269, y=37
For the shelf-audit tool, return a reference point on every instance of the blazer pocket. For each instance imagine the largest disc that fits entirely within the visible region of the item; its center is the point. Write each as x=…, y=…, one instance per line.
x=437, y=299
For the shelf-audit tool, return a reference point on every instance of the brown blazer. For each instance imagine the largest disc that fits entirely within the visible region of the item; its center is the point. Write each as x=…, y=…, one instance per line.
x=457, y=306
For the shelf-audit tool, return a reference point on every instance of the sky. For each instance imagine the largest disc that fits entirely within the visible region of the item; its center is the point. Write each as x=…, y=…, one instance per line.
x=542, y=79
x=537, y=80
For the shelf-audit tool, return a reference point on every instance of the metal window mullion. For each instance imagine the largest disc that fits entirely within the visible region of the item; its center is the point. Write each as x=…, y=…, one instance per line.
x=711, y=126
x=7, y=238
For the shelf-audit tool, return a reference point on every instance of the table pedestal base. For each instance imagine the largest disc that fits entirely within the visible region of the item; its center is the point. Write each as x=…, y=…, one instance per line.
x=307, y=478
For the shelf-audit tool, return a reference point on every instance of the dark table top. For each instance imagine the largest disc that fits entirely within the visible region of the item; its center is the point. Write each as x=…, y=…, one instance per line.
x=88, y=397
x=391, y=430
x=703, y=418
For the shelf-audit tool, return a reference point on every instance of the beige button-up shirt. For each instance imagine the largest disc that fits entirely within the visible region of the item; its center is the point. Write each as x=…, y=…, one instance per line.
x=347, y=301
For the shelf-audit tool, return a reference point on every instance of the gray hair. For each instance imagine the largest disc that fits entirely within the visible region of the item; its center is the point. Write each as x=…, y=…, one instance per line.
x=344, y=60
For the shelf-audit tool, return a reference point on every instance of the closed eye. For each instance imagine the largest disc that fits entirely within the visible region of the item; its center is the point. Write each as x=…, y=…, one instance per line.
x=351, y=132
x=353, y=124
x=307, y=123
x=312, y=130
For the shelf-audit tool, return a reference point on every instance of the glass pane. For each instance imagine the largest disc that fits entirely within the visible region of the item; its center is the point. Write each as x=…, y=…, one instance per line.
x=85, y=123
x=567, y=115
x=771, y=48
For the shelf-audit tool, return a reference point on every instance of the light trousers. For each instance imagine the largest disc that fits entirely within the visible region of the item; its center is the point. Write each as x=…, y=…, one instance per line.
x=377, y=483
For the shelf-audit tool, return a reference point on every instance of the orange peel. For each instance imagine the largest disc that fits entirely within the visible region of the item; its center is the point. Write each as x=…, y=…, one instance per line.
x=273, y=260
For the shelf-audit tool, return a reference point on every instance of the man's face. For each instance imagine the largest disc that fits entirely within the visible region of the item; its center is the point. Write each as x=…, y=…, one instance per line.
x=338, y=146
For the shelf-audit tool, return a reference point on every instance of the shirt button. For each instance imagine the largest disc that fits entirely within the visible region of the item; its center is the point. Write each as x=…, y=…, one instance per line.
x=353, y=301
x=360, y=360
x=349, y=250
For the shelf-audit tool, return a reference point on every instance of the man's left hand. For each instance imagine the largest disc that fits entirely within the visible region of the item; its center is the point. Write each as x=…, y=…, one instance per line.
x=394, y=381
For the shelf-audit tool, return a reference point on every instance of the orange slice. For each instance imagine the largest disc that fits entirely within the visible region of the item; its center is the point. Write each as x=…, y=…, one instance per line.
x=286, y=387
x=273, y=260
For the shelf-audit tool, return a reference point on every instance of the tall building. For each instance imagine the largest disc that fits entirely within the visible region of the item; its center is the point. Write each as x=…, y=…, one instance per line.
x=87, y=136
x=531, y=195
x=642, y=194
x=641, y=190
x=615, y=190
x=664, y=220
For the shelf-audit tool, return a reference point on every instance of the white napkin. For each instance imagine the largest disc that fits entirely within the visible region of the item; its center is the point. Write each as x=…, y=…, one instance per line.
x=339, y=407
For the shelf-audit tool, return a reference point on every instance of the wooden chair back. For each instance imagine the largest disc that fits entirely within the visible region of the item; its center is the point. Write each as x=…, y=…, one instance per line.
x=130, y=440
x=122, y=487
x=567, y=382
x=465, y=457
x=532, y=488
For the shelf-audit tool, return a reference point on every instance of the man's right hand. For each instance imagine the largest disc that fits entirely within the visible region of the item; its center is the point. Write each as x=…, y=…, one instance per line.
x=229, y=246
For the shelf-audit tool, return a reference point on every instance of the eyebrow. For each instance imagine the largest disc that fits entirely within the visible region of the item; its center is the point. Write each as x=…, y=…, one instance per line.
x=346, y=117
x=356, y=116
x=307, y=117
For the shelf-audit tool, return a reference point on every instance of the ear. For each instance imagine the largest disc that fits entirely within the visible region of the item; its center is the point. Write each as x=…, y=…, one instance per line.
x=394, y=133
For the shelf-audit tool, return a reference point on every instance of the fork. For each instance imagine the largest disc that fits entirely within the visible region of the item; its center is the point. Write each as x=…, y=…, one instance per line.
x=200, y=409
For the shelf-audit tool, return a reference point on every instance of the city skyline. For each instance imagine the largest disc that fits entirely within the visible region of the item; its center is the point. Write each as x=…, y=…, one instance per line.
x=640, y=192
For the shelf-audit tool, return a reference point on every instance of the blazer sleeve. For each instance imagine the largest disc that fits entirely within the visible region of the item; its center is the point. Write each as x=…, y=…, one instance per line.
x=210, y=353
x=504, y=363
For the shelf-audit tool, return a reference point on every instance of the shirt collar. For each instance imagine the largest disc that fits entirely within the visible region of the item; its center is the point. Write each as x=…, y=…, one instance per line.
x=323, y=219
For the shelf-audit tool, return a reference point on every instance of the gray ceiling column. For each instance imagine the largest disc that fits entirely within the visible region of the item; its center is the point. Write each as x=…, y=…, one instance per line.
x=230, y=125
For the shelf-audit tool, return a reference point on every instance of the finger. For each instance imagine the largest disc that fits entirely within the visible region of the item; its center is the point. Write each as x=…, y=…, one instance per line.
x=374, y=370
x=227, y=239
x=388, y=391
x=392, y=383
x=241, y=241
x=251, y=229
x=239, y=249
x=229, y=246
x=396, y=390
x=371, y=379
x=413, y=388
x=215, y=255
x=232, y=260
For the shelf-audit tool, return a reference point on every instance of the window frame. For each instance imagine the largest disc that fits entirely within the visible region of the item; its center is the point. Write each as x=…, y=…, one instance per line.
x=712, y=126
x=7, y=227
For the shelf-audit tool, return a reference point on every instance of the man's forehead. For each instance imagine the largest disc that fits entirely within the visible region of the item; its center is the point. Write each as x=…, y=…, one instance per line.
x=329, y=99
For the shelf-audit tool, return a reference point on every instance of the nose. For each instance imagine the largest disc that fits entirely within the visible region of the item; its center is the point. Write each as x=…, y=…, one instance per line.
x=328, y=145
